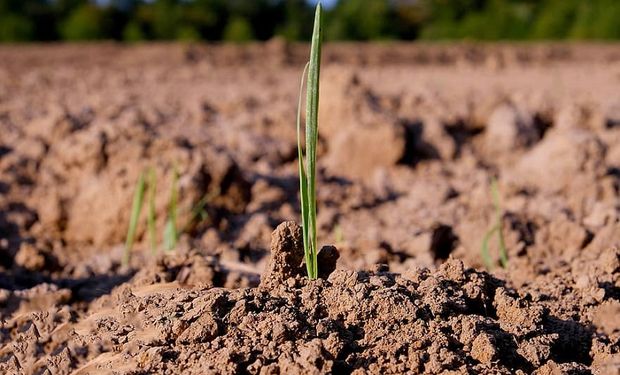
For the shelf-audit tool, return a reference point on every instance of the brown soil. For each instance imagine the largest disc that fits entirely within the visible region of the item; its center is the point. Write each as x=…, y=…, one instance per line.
x=410, y=138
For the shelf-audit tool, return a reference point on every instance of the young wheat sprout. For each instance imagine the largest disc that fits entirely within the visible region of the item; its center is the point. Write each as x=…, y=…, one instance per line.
x=503, y=257
x=136, y=207
x=147, y=182
x=150, y=218
x=307, y=164
x=170, y=230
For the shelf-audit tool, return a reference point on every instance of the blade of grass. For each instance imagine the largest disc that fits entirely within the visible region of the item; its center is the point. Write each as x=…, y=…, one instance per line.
x=338, y=234
x=497, y=227
x=136, y=207
x=503, y=257
x=170, y=230
x=303, y=180
x=486, y=256
x=199, y=211
x=312, y=134
x=151, y=219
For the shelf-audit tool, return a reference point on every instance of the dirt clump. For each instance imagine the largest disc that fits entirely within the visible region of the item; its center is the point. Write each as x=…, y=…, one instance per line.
x=287, y=257
x=361, y=135
x=509, y=128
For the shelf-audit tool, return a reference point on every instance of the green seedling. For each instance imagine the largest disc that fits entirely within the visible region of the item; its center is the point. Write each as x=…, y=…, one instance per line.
x=170, y=230
x=199, y=213
x=148, y=182
x=338, y=234
x=307, y=164
x=150, y=218
x=136, y=207
x=497, y=228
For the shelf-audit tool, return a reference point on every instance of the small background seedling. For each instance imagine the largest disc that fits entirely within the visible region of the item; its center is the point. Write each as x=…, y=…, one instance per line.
x=307, y=164
x=199, y=212
x=338, y=235
x=147, y=182
x=136, y=207
x=497, y=228
x=170, y=230
x=151, y=213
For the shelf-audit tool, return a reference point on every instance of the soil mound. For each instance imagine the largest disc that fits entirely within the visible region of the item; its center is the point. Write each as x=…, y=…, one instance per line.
x=172, y=318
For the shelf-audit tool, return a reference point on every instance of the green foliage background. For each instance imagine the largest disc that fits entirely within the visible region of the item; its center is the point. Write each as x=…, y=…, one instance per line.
x=245, y=20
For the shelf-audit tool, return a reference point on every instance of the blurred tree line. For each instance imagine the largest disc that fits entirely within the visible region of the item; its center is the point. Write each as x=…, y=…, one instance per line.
x=244, y=20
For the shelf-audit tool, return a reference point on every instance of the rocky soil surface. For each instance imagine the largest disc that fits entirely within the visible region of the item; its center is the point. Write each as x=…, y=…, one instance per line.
x=411, y=137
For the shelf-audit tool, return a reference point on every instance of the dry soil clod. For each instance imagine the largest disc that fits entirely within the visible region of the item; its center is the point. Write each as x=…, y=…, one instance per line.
x=287, y=256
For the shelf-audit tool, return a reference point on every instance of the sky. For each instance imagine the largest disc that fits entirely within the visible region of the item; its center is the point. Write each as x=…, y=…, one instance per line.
x=326, y=3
